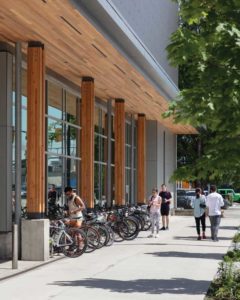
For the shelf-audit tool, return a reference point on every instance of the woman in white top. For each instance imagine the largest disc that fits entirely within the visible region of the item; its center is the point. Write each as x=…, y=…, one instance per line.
x=154, y=202
x=199, y=205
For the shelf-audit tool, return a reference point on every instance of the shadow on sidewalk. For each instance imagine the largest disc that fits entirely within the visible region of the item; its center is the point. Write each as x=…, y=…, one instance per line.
x=221, y=227
x=189, y=238
x=229, y=227
x=216, y=256
x=148, y=286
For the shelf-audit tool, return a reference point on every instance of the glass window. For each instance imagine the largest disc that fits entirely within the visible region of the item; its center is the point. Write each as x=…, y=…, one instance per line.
x=128, y=156
x=103, y=124
x=54, y=175
x=71, y=140
x=97, y=120
x=96, y=183
x=113, y=184
x=128, y=134
x=55, y=136
x=96, y=147
x=128, y=185
x=72, y=166
x=71, y=109
x=54, y=96
x=103, y=147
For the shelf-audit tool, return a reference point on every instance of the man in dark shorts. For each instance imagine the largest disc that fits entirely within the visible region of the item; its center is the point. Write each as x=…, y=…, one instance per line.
x=165, y=207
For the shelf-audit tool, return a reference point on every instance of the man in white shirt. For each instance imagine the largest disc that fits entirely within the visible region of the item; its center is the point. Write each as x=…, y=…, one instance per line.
x=214, y=203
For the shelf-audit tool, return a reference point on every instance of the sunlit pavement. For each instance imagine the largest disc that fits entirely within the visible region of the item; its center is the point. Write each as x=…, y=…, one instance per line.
x=173, y=266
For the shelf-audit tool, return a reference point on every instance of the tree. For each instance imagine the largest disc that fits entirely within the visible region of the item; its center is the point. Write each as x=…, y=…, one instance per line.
x=206, y=48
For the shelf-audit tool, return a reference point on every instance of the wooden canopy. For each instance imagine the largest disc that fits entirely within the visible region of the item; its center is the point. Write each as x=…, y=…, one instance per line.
x=75, y=49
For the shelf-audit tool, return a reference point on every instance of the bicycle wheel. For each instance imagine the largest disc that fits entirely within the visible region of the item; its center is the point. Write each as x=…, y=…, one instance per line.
x=78, y=242
x=115, y=227
x=93, y=238
x=133, y=229
x=103, y=234
x=147, y=221
x=122, y=229
x=111, y=235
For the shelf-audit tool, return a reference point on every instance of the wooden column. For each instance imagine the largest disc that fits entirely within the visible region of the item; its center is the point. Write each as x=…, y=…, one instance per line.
x=141, y=159
x=119, y=152
x=87, y=141
x=35, y=131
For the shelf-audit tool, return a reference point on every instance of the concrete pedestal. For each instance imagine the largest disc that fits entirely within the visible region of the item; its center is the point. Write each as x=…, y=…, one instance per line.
x=5, y=245
x=35, y=240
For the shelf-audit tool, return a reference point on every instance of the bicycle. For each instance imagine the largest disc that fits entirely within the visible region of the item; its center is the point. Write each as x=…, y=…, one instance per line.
x=72, y=242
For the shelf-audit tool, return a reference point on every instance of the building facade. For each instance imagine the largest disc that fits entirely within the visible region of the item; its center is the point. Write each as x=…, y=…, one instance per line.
x=92, y=81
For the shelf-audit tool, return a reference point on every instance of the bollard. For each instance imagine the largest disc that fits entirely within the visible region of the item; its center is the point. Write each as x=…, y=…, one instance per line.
x=15, y=247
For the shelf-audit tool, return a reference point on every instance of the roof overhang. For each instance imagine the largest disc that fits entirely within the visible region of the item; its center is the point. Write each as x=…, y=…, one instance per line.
x=77, y=46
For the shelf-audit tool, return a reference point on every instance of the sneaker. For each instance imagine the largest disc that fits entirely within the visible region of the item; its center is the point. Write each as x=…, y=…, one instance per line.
x=204, y=236
x=167, y=228
x=156, y=236
x=163, y=228
x=150, y=236
x=199, y=238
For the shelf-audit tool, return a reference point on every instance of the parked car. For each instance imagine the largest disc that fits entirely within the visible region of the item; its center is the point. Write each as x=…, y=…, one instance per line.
x=226, y=192
x=184, y=198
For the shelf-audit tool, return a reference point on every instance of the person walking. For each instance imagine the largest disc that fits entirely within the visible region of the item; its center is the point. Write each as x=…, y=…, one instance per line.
x=154, y=203
x=214, y=203
x=199, y=205
x=165, y=207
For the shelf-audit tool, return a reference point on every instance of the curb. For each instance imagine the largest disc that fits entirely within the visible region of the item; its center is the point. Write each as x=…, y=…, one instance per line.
x=41, y=264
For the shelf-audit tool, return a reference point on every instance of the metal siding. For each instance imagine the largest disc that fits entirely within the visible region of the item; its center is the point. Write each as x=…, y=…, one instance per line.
x=6, y=141
x=153, y=21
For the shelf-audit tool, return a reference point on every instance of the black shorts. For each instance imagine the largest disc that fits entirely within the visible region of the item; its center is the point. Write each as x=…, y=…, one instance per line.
x=165, y=208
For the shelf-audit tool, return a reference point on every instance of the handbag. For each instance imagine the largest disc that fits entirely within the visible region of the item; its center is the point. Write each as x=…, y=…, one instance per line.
x=203, y=205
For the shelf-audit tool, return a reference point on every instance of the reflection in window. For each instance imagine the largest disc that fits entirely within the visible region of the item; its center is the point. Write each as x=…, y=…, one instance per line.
x=54, y=100
x=100, y=184
x=71, y=174
x=128, y=186
x=71, y=109
x=54, y=175
x=129, y=146
x=71, y=141
x=23, y=142
x=63, y=132
x=97, y=120
x=55, y=136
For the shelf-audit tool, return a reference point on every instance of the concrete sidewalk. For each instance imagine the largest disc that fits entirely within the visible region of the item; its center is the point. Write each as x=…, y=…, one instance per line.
x=174, y=266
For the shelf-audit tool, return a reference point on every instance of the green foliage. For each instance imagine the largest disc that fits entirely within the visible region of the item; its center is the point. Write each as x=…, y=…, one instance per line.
x=227, y=284
x=206, y=48
x=236, y=238
x=233, y=255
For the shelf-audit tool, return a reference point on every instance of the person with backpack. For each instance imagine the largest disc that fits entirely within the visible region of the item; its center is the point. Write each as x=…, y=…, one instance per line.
x=165, y=207
x=75, y=206
x=154, y=204
x=199, y=205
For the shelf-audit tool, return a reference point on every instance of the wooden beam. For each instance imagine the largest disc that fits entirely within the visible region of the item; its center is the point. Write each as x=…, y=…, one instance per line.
x=141, y=159
x=35, y=131
x=87, y=141
x=119, y=152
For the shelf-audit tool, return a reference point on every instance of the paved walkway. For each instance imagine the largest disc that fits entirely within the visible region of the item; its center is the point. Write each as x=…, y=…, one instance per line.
x=174, y=266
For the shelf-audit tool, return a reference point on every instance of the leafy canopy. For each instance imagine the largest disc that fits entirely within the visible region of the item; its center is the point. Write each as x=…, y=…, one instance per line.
x=206, y=48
